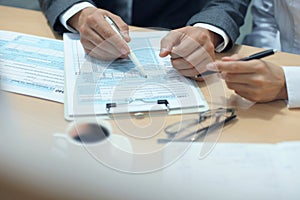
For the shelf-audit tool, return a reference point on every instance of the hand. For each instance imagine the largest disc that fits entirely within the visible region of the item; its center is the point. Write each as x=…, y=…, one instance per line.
x=190, y=48
x=255, y=80
x=96, y=35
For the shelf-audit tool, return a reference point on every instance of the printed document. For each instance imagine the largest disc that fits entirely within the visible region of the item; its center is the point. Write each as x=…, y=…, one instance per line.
x=32, y=65
x=92, y=84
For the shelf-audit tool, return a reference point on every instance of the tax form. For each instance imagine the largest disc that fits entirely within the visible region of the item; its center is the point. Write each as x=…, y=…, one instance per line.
x=32, y=65
x=92, y=84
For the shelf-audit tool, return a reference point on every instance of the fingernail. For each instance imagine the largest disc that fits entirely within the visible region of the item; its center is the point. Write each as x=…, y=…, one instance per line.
x=126, y=35
x=163, y=50
x=212, y=67
x=124, y=51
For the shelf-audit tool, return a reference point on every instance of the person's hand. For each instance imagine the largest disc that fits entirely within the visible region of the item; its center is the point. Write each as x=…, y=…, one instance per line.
x=255, y=80
x=96, y=35
x=190, y=48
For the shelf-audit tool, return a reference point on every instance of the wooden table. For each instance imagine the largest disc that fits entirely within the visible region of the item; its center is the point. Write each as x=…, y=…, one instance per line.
x=269, y=122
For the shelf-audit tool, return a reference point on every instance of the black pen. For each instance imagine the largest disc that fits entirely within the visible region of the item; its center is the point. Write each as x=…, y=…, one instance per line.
x=258, y=55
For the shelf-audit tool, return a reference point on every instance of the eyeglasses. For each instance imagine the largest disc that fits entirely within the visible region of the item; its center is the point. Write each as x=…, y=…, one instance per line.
x=193, y=129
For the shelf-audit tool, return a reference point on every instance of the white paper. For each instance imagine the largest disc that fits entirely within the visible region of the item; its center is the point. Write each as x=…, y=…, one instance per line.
x=32, y=65
x=91, y=83
x=237, y=171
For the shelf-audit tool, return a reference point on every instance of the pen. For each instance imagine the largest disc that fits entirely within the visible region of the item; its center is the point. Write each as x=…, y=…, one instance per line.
x=258, y=55
x=131, y=55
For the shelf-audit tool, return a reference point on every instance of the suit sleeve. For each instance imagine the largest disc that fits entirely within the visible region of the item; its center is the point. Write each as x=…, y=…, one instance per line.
x=53, y=9
x=227, y=15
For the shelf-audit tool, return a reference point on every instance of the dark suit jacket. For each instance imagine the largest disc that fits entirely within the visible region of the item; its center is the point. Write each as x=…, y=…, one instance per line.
x=227, y=15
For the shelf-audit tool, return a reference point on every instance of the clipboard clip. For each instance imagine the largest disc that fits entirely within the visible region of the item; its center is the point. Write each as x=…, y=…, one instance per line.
x=165, y=102
x=159, y=102
x=109, y=106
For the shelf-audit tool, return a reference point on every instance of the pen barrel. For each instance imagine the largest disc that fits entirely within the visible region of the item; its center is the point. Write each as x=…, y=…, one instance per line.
x=259, y=55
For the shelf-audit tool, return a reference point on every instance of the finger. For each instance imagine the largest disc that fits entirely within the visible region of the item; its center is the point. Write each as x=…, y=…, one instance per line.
x=93, y=49
x=181, y=64
x=168, y=42
x=108, y=52
x=185, y=47
x=87, y=45
x=251, y=93
x=183, y=67
x=104, y=54
x=242, y=89
x=124, y=29
x=201, y=67
x=174, y=55
x=249, y=79
x=234, y=66
x=188, y=72
x=234, y=57
x=88, y=34
x=103, y=51
x=103, y=28
x=237, y=86
x=199, y=59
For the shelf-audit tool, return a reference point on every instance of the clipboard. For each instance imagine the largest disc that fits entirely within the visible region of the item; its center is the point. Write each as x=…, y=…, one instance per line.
x=102, y=89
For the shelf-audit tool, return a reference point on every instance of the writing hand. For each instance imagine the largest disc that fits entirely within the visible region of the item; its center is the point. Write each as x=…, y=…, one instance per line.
x=190, y=48
x=255, y=80
x=96, y=35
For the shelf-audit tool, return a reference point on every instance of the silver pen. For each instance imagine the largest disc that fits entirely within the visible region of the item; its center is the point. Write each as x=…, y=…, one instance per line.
x=131, y=55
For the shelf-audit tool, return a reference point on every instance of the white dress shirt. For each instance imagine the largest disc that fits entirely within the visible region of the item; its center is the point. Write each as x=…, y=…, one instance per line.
x=292, y=78
x=276, y=24
x=78, y=7
x=271, y=17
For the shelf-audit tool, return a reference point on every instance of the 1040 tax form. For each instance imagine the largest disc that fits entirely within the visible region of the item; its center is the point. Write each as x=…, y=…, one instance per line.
x=95, y=87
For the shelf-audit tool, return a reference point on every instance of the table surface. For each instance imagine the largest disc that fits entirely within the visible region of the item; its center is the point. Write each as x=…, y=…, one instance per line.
x=262, y=123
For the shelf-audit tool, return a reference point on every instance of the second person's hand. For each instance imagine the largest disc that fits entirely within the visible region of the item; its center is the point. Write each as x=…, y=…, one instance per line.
x=97, y=36
x=256, y=80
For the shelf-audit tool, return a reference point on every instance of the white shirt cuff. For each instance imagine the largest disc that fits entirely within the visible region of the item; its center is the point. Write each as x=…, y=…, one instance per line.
x=218, y=31
x=71, y=12
x=292, y=79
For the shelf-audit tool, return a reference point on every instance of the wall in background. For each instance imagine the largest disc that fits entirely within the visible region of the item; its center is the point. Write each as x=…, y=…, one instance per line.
x=247, y=27
x=28, y=4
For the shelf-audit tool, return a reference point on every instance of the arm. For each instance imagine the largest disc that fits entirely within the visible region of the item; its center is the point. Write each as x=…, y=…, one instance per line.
x=264, y=31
